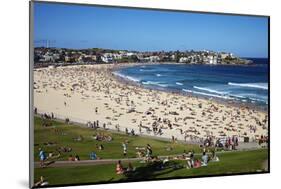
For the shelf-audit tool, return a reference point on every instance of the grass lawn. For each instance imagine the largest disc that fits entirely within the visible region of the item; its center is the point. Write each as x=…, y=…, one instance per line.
x=63, y=135
x=230, y=162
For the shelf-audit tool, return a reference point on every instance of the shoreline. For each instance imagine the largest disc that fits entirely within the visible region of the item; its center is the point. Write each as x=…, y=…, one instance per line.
x=113, y=105
x=236, y=103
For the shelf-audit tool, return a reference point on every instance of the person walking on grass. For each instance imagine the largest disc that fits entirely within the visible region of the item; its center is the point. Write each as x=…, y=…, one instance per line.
x=124, y=145
x=148, y=151
x=42, y=157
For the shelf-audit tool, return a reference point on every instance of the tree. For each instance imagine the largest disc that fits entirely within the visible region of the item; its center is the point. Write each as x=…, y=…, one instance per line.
x=177, y=56
x=99, y=60
x=134, y=58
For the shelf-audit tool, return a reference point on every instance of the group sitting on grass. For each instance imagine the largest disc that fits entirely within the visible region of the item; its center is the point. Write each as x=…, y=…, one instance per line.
x=121, y=170
x=144, y=152
x=64, y=149
x=140, y=152
x=205, y=159
x=73, y=158
x=102, y=137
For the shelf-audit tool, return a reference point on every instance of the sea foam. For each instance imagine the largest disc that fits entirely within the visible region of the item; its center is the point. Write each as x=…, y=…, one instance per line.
x=178, y=83
x=210, y=90
x=207, y=94
x=154, y=83
x=126, y=77
x=251, y=85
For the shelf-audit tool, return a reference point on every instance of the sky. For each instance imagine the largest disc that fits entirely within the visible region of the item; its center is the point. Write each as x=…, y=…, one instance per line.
x=77, y=26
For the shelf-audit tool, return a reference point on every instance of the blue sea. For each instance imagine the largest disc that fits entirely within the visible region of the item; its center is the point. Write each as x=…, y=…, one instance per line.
x=247, y=83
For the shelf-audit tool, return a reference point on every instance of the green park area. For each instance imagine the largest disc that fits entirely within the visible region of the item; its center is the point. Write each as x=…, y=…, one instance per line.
x=64, y=140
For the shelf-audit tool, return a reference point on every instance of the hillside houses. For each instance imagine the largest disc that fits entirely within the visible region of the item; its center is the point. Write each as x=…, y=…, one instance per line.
x=96, y=55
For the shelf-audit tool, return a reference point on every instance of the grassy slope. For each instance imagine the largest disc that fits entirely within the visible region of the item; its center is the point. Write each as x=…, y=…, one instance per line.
x=83, y=148
x=233, y=162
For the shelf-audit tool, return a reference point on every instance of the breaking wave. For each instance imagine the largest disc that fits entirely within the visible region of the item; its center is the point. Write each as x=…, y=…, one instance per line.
x=210, y=90
x=251, y=85
x=126, y=77
x=178, y=83
x=154, y=83
x=207, y=94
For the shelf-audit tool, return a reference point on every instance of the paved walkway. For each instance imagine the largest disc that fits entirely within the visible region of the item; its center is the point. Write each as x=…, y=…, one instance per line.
x=248, y=146
x=85, y=162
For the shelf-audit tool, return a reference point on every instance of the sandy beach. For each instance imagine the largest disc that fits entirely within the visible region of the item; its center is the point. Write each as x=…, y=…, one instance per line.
x=91, y=92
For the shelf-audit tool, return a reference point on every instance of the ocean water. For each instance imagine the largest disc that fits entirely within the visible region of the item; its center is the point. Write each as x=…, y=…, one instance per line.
x=247, y=83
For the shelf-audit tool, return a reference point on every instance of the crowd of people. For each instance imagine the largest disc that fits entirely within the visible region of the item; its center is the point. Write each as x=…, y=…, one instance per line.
x=226, y=143
x=160, y=113
x=191, y=159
